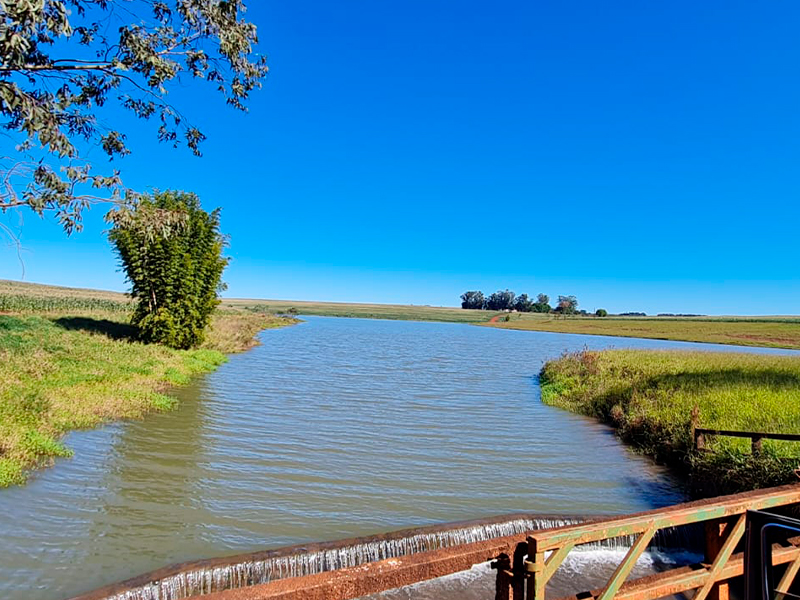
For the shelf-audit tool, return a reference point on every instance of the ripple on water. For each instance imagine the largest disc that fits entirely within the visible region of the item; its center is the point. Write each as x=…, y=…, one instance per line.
x=330, y=429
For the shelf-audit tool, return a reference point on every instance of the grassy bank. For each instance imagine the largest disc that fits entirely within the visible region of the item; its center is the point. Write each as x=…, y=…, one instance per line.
x=401, y=312
x=648, y=396
x=64, y=369
x=775, y=332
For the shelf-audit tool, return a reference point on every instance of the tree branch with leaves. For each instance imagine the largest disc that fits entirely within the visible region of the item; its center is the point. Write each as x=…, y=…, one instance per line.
x=62, y=61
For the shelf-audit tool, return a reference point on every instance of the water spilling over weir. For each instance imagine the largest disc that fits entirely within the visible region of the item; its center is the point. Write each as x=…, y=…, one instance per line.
x=204, y=577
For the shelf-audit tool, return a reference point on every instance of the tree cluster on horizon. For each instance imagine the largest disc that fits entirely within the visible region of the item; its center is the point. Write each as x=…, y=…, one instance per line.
x=508, y=300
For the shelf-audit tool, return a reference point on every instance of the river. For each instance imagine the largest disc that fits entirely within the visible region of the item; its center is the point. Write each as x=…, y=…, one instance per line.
x=331, y=428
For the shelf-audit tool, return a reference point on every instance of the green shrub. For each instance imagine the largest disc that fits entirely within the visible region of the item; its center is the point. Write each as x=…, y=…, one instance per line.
x=171, y=250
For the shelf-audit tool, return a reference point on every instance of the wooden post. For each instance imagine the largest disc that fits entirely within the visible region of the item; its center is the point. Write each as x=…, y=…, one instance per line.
x=536, y=579
x=698, y=439
x=716, y=533
x=503, y=564
x=518, y=568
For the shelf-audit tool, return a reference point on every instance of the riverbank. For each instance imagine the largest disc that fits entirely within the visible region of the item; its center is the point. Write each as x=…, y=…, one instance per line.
x=762, y=331
x=767, y=332
x=649, y=396
x=64, y=370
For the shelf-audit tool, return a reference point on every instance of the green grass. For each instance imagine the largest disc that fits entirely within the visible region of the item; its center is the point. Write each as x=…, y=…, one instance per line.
x=775, y=332
x=648, y=396
x=55, y=378
x=70, y=361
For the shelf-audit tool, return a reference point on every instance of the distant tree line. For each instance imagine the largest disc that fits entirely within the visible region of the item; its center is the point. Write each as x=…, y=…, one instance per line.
x=508, y=300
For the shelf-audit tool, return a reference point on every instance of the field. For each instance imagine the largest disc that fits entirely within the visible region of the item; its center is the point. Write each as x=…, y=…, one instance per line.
x=766, y=331
x=69, y=361
x=403, y=312
x=775, y=332
x=649, y=396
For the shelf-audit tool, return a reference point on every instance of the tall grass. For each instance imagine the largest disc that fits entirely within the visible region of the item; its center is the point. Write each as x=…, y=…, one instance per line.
x=20, y=303
x=648, y=396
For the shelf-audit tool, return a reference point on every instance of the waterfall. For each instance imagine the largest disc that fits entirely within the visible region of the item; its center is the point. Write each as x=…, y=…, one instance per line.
x=189, y=580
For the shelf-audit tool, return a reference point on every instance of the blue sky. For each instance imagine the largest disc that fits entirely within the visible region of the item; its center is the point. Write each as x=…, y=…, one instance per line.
x=641, y=156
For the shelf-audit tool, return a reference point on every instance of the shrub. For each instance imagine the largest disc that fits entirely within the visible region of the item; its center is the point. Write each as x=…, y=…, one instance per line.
x=601, y=312
x=175, y=269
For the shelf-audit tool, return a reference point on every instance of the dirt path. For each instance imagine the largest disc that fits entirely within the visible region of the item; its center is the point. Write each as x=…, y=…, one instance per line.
x=495, y=319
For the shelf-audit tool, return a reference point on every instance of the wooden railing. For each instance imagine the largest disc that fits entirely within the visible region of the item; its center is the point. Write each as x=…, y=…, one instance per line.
x=756, y=437
x=534, y=562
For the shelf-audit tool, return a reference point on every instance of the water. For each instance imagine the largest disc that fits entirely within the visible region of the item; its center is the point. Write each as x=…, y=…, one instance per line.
x=330, y=429
x=582, y=571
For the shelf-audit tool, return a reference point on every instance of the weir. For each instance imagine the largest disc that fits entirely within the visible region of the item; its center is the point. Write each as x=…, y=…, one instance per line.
x=217, y=575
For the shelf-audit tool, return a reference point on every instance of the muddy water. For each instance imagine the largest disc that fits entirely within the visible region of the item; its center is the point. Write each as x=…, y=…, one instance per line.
x=330, y=429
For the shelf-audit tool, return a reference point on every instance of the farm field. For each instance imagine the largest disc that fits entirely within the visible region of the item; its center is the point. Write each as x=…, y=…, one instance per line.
x=402, y=312
x=771, y=332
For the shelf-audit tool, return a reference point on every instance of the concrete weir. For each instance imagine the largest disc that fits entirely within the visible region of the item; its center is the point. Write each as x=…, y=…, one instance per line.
x=219, y=574
x=354, y=566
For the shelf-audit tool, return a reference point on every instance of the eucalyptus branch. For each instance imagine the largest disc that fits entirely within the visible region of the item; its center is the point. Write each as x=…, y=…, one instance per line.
x=49, y=94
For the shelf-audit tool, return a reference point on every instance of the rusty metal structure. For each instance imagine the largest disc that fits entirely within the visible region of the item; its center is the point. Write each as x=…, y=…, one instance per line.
x=526, y=574
x=526, y=562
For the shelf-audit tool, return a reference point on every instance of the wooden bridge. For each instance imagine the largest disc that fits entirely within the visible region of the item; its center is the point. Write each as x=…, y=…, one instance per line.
x=526, y=563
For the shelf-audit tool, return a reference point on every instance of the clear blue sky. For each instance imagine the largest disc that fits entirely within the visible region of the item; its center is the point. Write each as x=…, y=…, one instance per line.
x=640, y=155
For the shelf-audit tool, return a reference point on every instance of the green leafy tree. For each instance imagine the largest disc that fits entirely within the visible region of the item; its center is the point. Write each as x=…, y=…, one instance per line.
x=175, y=269
x=601, y=312
x=501, y=300
x=63, y=61
x=567, y=305
x=523, y=303
x=542, y=304
x=473, y=300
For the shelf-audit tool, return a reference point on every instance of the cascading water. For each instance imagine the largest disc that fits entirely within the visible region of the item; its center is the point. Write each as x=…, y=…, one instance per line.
x=297, y=562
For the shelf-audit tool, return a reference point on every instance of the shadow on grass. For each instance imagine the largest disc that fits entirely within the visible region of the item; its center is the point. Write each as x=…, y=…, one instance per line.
x=111, y=329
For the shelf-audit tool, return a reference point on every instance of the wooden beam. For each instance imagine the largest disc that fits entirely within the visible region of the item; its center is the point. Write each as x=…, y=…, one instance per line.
x=681, y=514
x=626, y=566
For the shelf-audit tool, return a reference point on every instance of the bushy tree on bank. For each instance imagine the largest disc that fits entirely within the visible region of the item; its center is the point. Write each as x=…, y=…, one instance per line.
x=501, y=300
x=567, y=305
x=62, y=61
x=472, y=300
x=523, y=303
x=174, y=264
x=542, y=304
